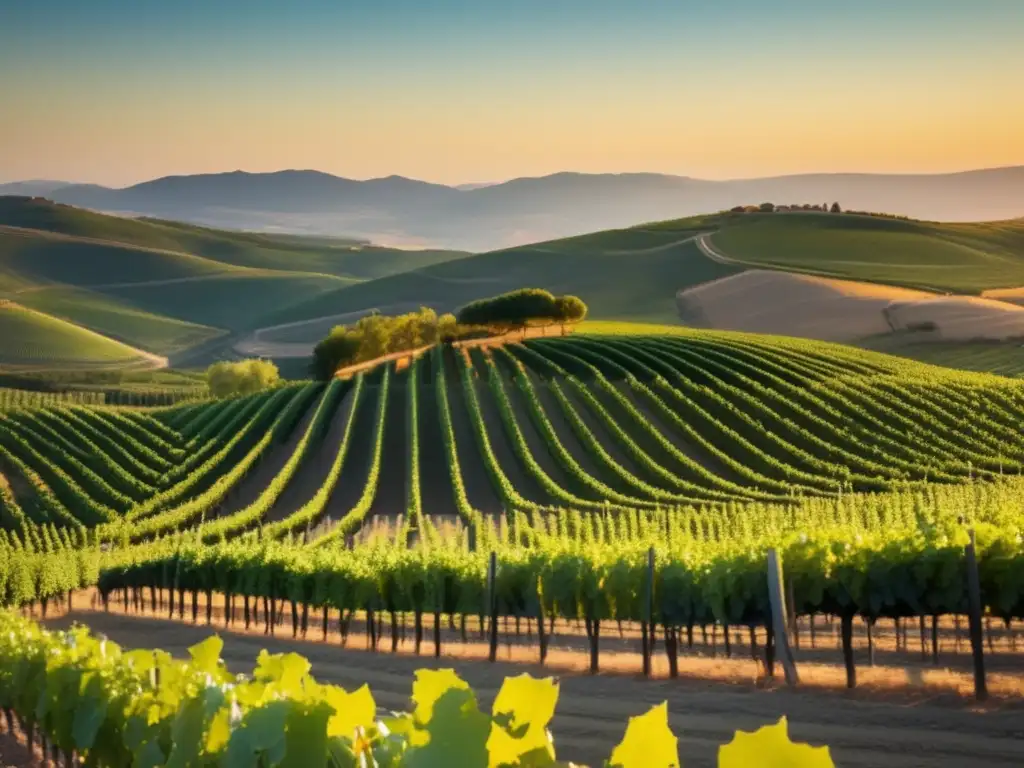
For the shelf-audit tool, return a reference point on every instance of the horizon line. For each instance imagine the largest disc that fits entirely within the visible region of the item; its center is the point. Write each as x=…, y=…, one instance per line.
x=484, y=184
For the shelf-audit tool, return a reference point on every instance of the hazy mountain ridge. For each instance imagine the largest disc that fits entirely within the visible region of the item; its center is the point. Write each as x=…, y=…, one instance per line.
x=473, y=217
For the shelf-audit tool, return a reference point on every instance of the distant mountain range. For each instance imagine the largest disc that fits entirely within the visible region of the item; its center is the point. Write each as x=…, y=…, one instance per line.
x=399, y=211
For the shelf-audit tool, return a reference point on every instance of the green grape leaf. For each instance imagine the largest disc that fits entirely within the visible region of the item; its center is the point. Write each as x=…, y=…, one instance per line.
x=770, y=747
x=190, y=725
x=90, y=712
x=430, y=685
x=262, y=731
x=457, y=733
x=306, y=735
x=149, y=754
x=206, y=655
x=648, y=743
x=351, y=710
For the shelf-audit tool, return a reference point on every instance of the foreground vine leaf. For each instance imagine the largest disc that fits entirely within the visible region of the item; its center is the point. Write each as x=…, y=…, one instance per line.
x=206, y=655
x=522, y=710
x=770, y=747
x=351, y=710
x=649, y=742
x=431, y=685
x=457, y=733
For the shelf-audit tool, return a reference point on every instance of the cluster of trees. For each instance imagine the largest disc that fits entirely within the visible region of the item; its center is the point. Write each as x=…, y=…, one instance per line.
x=241, y=378
x=516, y=310
x=824, y=208
x=376, y=335
x=772, y=207
x=876, y=214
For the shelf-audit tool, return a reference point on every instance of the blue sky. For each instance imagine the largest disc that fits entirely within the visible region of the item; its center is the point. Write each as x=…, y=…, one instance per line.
x=116, y=91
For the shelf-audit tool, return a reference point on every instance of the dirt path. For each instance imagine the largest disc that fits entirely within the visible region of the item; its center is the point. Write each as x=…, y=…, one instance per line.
x=705, y=246
x=604, y=436
x=256, y=480
x=357, y=463
x=435, y=482
x=677, y=440
x=588, y=462
x=508, y=459
x=593, y=710
x=314, y=469
x=390, y=499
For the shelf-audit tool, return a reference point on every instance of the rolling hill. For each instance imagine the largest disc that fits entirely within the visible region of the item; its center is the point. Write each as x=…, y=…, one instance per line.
x=169, y=287
x=634, y=274
x=626, y=275
x=961, y=258
x=842, y=277
x=343, y=257
x=119, y=320
x=194, y=293
x=31, y=340
x=397, y=210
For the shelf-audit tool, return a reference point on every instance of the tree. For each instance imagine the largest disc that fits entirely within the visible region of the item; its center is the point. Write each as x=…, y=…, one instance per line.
x=447, y=327
x=766, y=207
x=339, y=348
x=510, y=311
x=835, y=208
x=241, y=378
x=569, y=309
x=376, y=335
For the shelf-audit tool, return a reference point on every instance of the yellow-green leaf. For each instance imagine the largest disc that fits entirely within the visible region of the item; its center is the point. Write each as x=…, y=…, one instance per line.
x=528, y=701
x=770, y=747
x=206, y=655
x=429, y=686
x=351, y=710
x=649, y=743
x=522, y=710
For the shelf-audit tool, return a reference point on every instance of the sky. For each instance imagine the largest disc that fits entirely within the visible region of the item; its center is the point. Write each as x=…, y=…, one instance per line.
x=454, y=91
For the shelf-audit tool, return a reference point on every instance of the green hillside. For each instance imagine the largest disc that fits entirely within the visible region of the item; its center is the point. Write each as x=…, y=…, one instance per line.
x=633, y=274
x=169, y=287
x=233, y=302
x=36, y=258
x=119, y=320
x=32, y=340
x=1004, y=358
x=959, y=258
x=334, y=256
x=625, y=274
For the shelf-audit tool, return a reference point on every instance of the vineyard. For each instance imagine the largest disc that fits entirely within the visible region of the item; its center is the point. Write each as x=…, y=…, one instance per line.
x=610, y=482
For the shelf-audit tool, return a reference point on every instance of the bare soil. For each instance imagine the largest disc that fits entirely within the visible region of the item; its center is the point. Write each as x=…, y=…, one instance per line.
x=313, y=471
x=256, y=480
x=861, y=728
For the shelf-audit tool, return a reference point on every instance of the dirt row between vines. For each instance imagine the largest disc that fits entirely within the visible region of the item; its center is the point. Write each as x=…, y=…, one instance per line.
x=593, y=709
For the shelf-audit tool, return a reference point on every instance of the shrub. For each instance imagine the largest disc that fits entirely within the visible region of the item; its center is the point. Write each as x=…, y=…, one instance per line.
x=376, y=335
x=520, y=308
x=242, y=378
